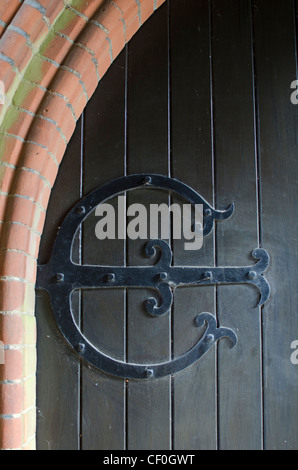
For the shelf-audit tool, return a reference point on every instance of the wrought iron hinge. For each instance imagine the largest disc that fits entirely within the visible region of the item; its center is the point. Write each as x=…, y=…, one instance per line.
x=61, y=276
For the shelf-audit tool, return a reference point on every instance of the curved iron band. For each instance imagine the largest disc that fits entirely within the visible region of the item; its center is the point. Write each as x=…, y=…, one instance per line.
x=118, y=186
x=111, y=366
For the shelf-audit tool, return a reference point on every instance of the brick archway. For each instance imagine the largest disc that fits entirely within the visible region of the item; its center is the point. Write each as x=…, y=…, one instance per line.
x=53, y=53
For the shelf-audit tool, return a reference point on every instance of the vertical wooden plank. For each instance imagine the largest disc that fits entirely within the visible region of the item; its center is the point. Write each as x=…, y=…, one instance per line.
x=239, y=370
x=58, y=387
x=276, y=68
x=191, y=142
x=148, y=413
x=103, y=311
x=296, y=33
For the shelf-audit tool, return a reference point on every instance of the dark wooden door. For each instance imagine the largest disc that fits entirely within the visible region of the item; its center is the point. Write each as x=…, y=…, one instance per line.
x=202, y=93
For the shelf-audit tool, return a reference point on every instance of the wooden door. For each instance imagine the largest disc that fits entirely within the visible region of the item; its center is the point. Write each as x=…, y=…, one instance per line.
x=202, y=93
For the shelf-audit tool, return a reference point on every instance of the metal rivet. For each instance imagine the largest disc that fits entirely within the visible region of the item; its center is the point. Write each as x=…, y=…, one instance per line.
x=162, y=276
x=109, y=278
x=207, y=212
x=252, y=275
x=147, y=180
x=80, y=347
x=80, y=210
x=210, y=338
x=149, y=373
x=59, y=277
x=207, y=275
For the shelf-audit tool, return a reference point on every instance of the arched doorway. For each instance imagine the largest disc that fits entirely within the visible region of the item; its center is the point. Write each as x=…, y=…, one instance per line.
x=248, y=75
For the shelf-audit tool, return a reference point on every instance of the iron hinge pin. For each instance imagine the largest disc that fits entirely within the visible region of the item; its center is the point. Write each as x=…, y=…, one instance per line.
x=59, y=277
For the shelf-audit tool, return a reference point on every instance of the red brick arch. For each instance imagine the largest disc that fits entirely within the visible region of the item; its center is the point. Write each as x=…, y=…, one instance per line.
x=52, y=55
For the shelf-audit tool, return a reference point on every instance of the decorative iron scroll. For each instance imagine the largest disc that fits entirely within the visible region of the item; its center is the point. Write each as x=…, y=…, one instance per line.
x=61, y=276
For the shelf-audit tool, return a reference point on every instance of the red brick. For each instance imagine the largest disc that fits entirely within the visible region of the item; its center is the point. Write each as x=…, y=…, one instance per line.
x=31, y=21
x=68, y=85
x=8, y=9
x=3, y=206
x=118, y=42
x=18, y=122
x=40, y=71
x=130, y=11
x=2, y=29
x=45, y=133
x=67, y=124
x=10, y=149
x=86, y=7
x=13, y=367
x=15, y=46
x=104, y=62
x=53, y=8
x=7, y=75
x=110, y=16
x=93, y=37
x=44, y=196
x=147, y=8
x=61, y=147
x=132, y=20
x=12, y=295
x=18, y=265
x=64, y=83
x=90, y=80
x=21, y=211
x=79, y=60
x=56, y=47
x=11, y=329
x=38, y=159
x=28, y=96
x=132, y=28
x=55, y=108
x=70, y=24
x=11, y=398
x=52, y=106
x=7, y=175
x=19, y=237
x=40, y=222
x=29, y=184
x=11, y=433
